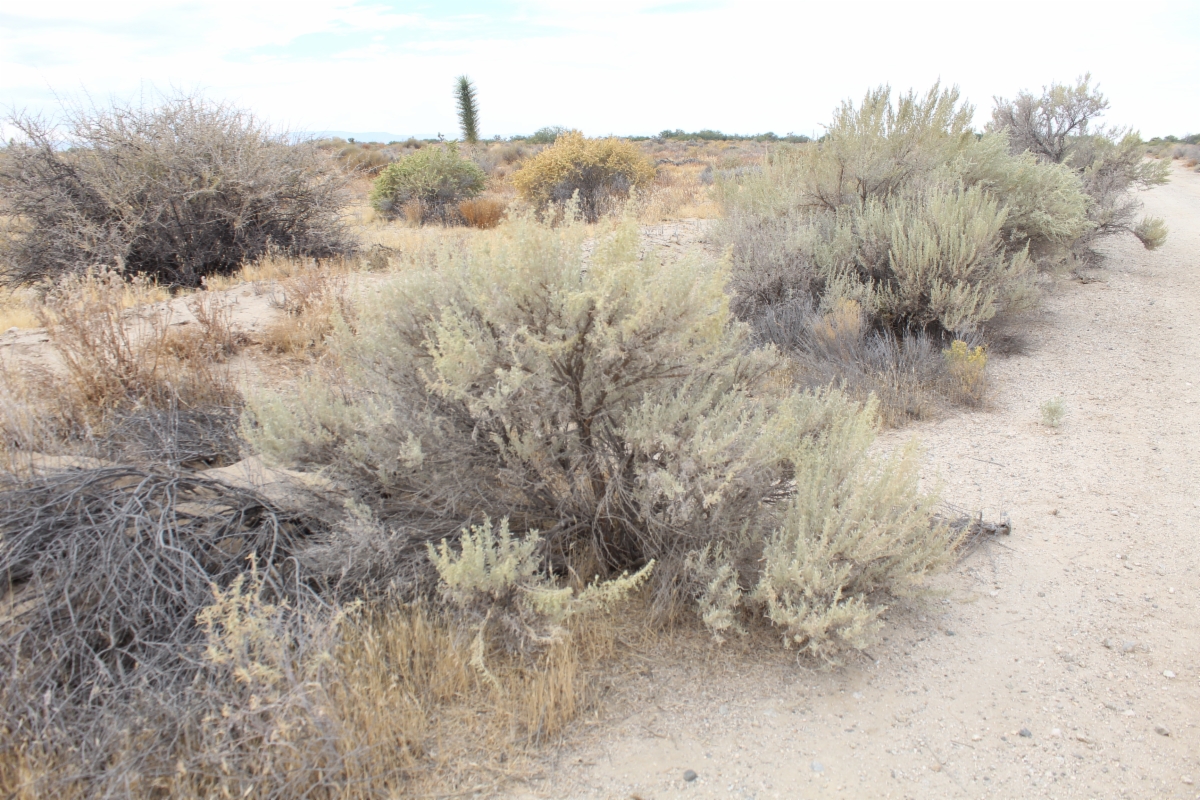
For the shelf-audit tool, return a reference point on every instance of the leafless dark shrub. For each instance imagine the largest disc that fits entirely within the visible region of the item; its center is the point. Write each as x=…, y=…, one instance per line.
x=103, y=572
x=178, y=191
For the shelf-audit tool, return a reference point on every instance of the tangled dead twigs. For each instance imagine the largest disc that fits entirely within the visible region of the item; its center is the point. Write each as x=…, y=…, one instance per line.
x=972, y=530
x=103, y=571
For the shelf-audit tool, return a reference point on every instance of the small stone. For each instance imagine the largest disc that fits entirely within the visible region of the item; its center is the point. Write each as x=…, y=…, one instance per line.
x=1056, y=733
x=817, y=766
x=723, y=710
x=13, y=329
x=950, y=632
x=689, y=775
x=1128, y=646
x=1080, y=737
x=1168, y=674
x=1111, y=644
x=1041, y=594
x=1162, y=730
x=1128, y=712
x=1188, y=780
x=1025, y=733
x=975, y=737
x=1054, y=512
x=936, y=767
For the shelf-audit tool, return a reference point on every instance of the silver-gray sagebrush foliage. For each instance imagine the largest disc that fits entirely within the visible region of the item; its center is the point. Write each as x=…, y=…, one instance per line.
x=904, y=210
x=610, y=403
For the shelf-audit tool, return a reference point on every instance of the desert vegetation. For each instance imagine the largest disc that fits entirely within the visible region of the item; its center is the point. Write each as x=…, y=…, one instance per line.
x=178, y=191
x=904, y=234
x=395, y=537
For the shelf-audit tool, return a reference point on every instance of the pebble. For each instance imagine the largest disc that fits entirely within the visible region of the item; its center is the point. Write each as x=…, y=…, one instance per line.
x=1056, y=733
x=817, y=766
x=689, y=775
x=950, y=632
x=975, y=737
x=1168, y=674
x=13, y=329
x=1162, y=730
x=1025, y=732
x=1188, y=780
x=1128, y=646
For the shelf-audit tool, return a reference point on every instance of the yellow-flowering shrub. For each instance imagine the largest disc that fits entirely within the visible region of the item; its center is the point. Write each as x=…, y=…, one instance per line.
x=967, y=367
x=599, y=170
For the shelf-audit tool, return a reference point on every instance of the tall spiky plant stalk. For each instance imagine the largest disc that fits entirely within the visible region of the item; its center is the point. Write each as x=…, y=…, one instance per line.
x=468, y=109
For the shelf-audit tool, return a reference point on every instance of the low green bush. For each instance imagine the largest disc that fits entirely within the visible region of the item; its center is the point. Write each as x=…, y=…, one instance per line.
x=433, y=180
x=615, y=406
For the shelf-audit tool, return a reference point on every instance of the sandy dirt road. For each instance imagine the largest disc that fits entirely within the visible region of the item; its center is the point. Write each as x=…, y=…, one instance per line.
x=1061, y=661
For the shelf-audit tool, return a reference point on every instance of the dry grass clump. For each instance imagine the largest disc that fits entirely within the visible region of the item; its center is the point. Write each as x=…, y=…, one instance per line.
x=482, y=212
x=124, y=378
x=909, y=373
x=17, y=309
x=312, y=304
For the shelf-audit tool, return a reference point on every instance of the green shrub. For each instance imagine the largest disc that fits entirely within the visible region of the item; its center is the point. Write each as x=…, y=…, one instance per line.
x=546, y=135
x=619, y=410
x=597, y=171
x=433, y=180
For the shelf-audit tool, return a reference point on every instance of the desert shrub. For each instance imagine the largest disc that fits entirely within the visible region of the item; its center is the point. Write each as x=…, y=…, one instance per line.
x=482, y=212
x=432, y=181
x=879, y=207
x=496, y=576
x=1058, y=127
x=546, y=135
x=931, y=230
x=106, y=569
x=599, y=171
x=967, y=367
x=179, y=191
x=1053, y=411
x=618, y=410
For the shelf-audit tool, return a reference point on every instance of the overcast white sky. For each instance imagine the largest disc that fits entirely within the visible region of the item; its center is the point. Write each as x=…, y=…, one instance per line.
x=615, y=66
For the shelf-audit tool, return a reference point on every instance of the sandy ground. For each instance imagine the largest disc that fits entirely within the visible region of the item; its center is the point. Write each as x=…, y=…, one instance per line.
x=1060, y=661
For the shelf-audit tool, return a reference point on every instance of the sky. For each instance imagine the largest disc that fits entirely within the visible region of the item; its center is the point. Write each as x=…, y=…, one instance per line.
x=616, y=67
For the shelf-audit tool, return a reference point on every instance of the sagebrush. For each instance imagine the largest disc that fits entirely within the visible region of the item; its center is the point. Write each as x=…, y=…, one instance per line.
x=613, y=405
